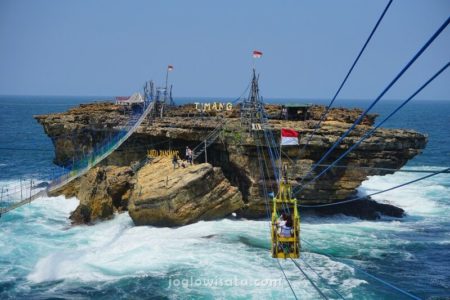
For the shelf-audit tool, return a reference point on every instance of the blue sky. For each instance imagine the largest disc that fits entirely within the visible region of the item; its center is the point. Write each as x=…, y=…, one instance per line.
x=109, y=47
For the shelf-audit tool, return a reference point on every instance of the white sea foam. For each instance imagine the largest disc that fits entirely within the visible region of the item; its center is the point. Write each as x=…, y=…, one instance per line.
x=423, y=198
x=115, y=248
x=223, y=249
x=226, y=249
x=15, y=190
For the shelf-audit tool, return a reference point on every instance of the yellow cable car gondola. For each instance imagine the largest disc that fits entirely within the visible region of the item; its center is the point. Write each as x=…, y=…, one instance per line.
x=285, y=226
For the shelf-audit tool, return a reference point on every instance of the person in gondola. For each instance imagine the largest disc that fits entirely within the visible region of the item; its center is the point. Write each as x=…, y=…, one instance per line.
x=285, y=231
x=286, y=228
x=281, y=221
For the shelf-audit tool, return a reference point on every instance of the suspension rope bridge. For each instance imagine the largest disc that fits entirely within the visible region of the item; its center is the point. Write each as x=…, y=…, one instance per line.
x=83, y=165
x=89, y=161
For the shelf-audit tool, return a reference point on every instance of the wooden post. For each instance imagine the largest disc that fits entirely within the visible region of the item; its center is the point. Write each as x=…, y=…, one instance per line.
x=206, y=154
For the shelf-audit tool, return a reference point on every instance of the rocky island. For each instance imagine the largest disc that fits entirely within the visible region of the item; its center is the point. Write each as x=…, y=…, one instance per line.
x=155, y=193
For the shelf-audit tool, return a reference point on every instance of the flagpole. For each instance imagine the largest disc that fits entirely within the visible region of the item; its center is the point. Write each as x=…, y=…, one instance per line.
x=167, y=79
x=281, y=144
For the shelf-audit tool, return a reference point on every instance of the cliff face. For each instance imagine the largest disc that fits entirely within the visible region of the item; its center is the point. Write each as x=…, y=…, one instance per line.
x=164, y=196
x=102, y=192
x=76, y=131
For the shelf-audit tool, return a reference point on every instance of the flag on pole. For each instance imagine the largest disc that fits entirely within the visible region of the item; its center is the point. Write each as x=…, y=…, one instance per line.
x=257, y=54
x=169, y=67
x=289, y=137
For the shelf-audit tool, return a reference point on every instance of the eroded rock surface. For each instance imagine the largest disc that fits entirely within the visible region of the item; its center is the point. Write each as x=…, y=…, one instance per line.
x=234, y=152
x=164, y=196
x=102, y=192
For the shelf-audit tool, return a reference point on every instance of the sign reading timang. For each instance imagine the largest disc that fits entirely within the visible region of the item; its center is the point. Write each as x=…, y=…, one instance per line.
x=162, y=153
x=213, y=106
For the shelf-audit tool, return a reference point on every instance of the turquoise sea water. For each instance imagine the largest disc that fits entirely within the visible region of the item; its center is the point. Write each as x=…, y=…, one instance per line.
x=42, y=256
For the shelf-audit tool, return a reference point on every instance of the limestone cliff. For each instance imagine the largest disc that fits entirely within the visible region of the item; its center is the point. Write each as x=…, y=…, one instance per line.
x=77, y=130
x=164, y=196
x=102, y=192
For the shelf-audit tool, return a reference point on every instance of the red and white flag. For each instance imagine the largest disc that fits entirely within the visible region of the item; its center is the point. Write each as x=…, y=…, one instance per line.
x=289, y=137
x=257, y=54
x=169, y=67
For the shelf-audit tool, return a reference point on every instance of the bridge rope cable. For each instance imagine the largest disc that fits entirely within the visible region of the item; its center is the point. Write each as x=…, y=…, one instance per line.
x=325, y=113
x=386, y=89
x=379, y=192
x=370, y=132
x=22, y=187
x=323, y=279
x=70, y=135
x=134, y=149
x=266, y=197
x=261, y=168
x=369, y=168
x=289, y=283
x=285, y=207
x=66, y=170
x=213, y=134
x=268, y=171
x=310, y=280
x=90, y=160
x=398, y=289
x=270, y=140
x=262, y=175
x=133, y=120
x=261, y=154
x=268, y=136
x=320, y=292
x=273, y=155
